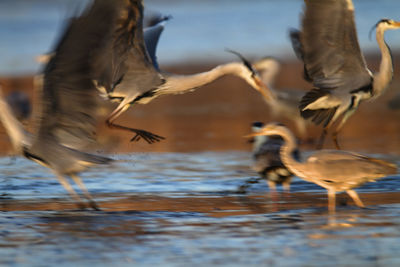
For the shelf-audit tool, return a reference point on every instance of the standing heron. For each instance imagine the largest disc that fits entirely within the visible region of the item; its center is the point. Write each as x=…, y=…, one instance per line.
x=328, y=46
x=66, y=119
x=133, y=75
x=267, y=160
x=333, y=170
x=283, y=102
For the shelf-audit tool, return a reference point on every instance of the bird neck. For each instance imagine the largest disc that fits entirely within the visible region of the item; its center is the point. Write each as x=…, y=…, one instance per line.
x=383, y=78
x=287, y=151
x=182, y=83
x=12, y=126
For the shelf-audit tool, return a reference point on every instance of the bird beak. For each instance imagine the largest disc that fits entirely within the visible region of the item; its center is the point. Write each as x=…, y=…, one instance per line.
x=262, y=87
x=397, y=24
x=253, y=134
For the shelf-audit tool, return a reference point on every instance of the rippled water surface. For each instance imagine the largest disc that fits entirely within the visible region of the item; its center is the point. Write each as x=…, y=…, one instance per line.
x=183, y=209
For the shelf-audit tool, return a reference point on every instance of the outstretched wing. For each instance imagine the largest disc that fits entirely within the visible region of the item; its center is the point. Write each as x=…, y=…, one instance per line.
x=68, y=108
x=131, y=70
x=152, y=35
x=329, y=47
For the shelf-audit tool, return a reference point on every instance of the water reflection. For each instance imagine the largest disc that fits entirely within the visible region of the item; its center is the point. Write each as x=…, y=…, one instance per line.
x=181, y=209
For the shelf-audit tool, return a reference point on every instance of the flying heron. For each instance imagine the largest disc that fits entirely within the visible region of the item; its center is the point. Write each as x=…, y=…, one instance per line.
x=328, y=46
x=267, y=160
x=283, y=102
x=334, y=170
x=133, y=75
x=66, y=120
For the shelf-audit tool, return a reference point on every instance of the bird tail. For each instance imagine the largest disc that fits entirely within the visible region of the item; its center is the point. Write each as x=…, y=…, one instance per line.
x=318, y=116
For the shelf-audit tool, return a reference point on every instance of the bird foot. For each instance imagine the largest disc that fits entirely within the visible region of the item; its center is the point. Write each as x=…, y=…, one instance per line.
x=147, y=136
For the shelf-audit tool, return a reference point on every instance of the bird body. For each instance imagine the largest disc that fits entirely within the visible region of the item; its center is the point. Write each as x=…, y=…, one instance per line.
x=334, y=170
x=267, y=161
x=66, y=120
x=133, y=76
x=333, y=62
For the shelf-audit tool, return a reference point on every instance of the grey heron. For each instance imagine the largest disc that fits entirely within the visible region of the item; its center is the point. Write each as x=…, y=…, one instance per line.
x=133, y=76
x=333, y=62
x=334, y=170
x=66, y=120
x=283, y=102
x=267, y=161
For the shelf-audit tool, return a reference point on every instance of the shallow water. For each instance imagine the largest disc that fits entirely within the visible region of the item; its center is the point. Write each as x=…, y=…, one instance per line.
x=181, y=209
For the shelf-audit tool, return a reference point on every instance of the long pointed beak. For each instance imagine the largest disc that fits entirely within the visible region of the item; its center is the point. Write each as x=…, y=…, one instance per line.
x=253, y=134
x=262, y=87
x=397, y=24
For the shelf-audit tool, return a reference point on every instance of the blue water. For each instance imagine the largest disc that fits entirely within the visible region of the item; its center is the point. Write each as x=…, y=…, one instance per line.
x=199, y=30
x=189, y=235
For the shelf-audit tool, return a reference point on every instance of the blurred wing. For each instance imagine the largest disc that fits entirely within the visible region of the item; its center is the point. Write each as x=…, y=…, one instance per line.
x=329, y=46
x=151, y=36
x=68, y=107
x=130, y=64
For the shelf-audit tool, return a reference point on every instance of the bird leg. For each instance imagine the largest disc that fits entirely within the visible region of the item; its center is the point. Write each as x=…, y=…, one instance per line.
x=286, y=186
x=321, y=139
x=86, y=193
x=331, y=201
x=71, y=191
x=272, y=189
x=346, y=116
x=147, y=136
x=353, y=194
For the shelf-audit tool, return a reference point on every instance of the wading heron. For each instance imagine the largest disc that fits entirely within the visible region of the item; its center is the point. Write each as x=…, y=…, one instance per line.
x=283, y=102
x=66, y=119
x=334, y=170
x=333, y=62
x=133, y=75
x=267, y=160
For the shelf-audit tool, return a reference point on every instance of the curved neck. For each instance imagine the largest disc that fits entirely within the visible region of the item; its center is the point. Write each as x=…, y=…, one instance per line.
x=13, y=127
x=287, y=150
x=383, y=78
x=177, y=84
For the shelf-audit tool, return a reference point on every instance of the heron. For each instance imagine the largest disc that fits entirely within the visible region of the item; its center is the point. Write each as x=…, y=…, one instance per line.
x=334, y=170
x=267, y=161
x=328, y=46
x=283, y=102
x=66, y=120
x=134, y=77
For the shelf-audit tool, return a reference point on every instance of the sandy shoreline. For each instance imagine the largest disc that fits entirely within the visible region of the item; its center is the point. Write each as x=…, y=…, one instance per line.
x=217, y=116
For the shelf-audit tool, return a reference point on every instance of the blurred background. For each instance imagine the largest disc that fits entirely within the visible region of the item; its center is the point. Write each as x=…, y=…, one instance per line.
x=214, y=117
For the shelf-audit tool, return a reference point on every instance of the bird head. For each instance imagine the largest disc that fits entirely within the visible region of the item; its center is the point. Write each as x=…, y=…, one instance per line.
x=256, y=80
x=385, y=24
x=267, y=68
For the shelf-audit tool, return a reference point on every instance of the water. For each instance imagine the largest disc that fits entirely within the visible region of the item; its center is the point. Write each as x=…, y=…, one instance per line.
x=182, y=209
x=199, y=31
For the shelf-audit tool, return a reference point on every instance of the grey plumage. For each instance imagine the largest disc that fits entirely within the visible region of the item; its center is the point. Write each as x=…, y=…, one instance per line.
x=332, y=169
x=333, y=62
x=267, y=160
x=66, y=119
x=133, y=77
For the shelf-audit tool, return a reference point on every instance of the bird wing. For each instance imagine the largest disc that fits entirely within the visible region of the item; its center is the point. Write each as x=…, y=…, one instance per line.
x=329, y=47
x=151, y=36
x=68, y=99
x=131, y=69
x=341, y=166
